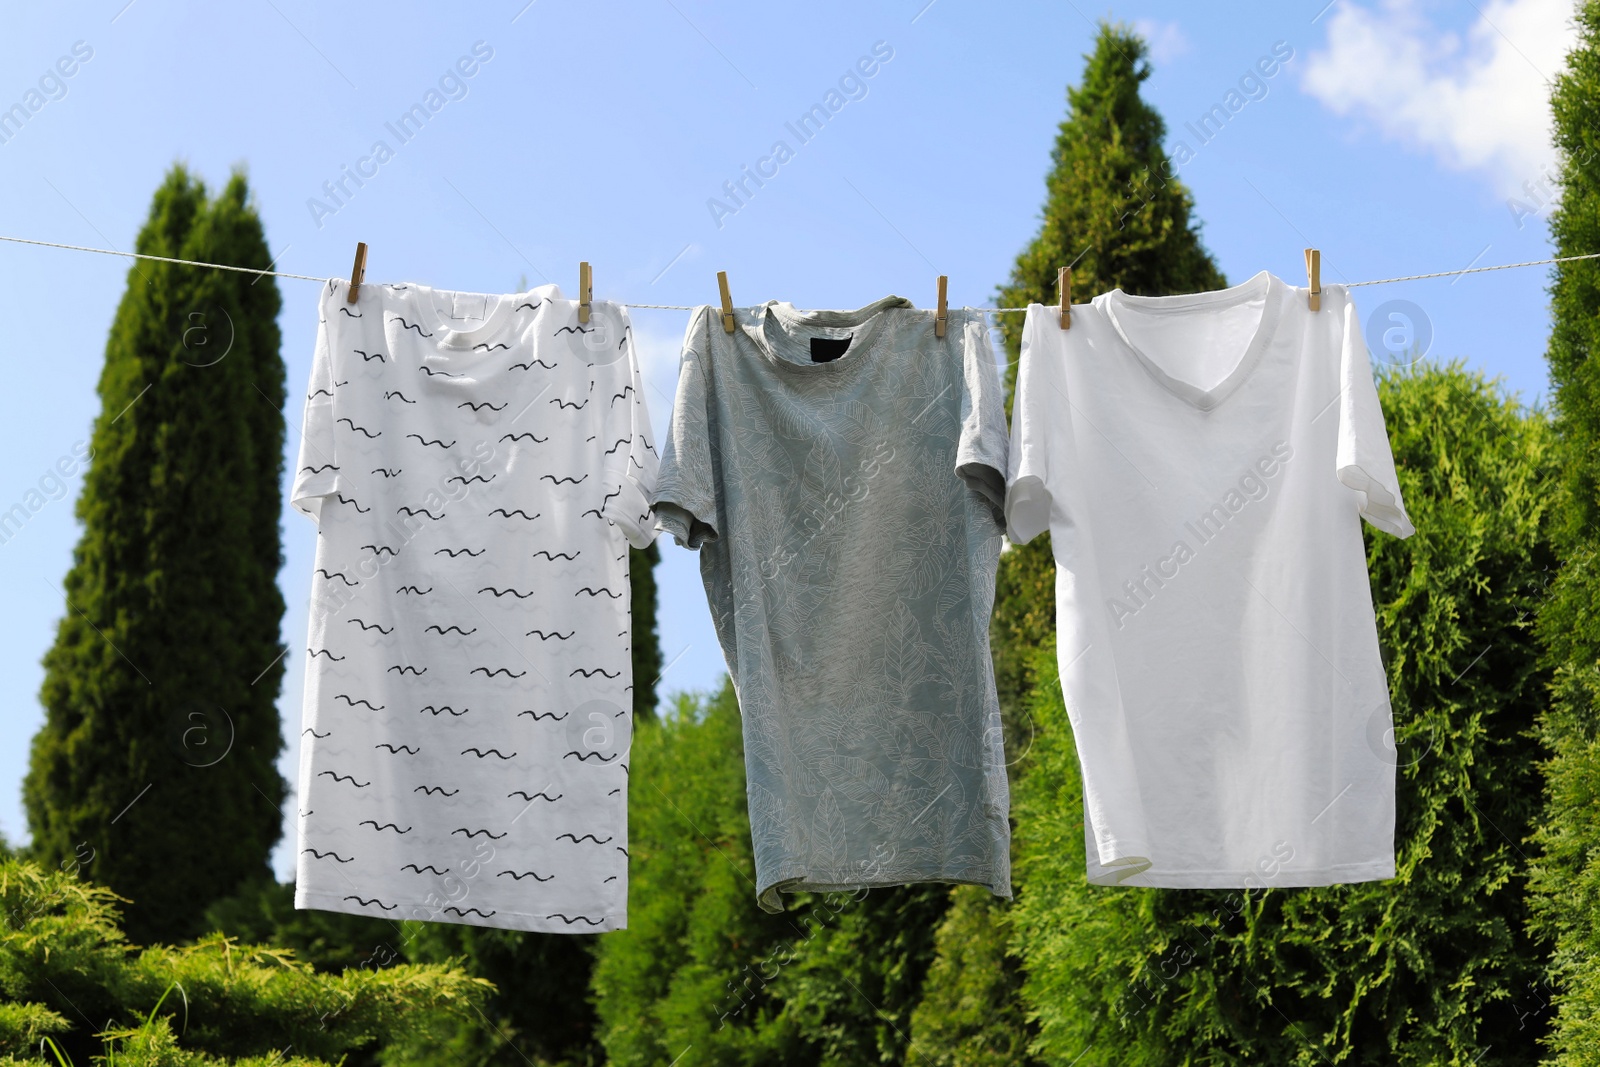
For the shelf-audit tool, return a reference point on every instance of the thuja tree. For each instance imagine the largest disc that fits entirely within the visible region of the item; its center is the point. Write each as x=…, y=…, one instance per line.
x=1431, y=967
x=1115, y=211
x=154, y=772
x=72, y=986
x=1568, y=869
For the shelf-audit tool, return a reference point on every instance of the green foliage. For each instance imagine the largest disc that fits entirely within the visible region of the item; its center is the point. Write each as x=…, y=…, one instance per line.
x=970, y=1015
x=1116, y=214
x=646, y=651
x=1430, y=968
x=68, y=972
x=155, y=770
x=1567, y=873
x=833, y=980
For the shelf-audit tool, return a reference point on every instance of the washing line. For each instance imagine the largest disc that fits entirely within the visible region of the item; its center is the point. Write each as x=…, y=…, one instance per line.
x=694, y=307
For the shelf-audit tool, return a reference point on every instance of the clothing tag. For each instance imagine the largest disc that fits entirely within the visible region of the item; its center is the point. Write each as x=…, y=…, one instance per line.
x=828, y=349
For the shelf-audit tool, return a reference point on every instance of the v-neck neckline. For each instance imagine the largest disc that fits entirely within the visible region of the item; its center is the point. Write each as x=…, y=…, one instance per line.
x=1264, y=287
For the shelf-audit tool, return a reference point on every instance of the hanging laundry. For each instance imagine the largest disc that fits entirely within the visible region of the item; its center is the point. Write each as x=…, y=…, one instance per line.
x=841, y=474
x=477, y=467
x=1202, y=464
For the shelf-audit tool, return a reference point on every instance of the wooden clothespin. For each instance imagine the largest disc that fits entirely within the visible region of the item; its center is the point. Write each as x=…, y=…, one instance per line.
x=358, y=272
x=1064, y=284
x=941, y=317
x=1314, y=273
x=585, y=291
x=727, y=301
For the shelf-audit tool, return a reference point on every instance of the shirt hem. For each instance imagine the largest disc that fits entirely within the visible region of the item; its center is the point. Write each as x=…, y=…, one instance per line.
x=351, y=904
x=1337, y=874
x=769, y=899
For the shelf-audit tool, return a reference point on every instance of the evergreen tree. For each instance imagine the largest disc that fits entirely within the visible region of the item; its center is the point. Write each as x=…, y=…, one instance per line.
x=68, y=975
x=1432, y=967
x=1116, y=213
x=1567, y=877
x=155, y=771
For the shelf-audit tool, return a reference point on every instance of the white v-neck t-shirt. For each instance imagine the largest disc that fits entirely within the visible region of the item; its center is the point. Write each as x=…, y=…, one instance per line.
x=1202, y=464
x=477, y=467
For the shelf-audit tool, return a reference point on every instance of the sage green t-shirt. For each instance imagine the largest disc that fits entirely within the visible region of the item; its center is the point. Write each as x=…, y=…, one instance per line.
x=842, y=474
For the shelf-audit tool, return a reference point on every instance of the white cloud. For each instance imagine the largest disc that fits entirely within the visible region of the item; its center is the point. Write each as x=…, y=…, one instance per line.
x=1477, y=103
x=1166, y=39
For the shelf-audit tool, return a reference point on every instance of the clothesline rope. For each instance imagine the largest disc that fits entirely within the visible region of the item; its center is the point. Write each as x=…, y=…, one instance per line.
x=694, y=307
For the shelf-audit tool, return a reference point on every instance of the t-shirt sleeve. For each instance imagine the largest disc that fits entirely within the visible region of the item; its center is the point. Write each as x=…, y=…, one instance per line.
x=1365, y=463
x=1028, y=497
x=981, y=452
x=317, y=475
x=685, y=498
x=631, y=470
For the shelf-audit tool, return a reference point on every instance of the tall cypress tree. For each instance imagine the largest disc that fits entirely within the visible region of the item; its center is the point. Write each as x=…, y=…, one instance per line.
x=155, y=771
x=1567, y=874
x=1116, y=213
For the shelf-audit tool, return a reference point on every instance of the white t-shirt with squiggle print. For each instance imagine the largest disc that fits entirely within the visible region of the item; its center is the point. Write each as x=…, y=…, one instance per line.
x=477, y=467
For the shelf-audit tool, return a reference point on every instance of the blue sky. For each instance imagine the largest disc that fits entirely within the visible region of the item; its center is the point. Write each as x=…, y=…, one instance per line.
x=1400, y=137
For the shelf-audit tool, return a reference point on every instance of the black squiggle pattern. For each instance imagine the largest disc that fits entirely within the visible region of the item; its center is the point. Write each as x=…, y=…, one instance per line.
x=343, y=778
x=573, y=329
x=437, y=711
x=379, y=550
x=446, y=629
x=369, y=357
x=627, y=391
x=596, y=592
x=487, y=673
x=530, y=797
x=619, y=443
x=386, y=472
x=424, y=867
x=439, y=789
x=414, y=589
x=498, y=593
x=408, y=326
x=454, y=552
x=535, y=875
x=516, y=511
x=576, y=919
x=485, y=753
x=319, y=470
x=583, y=757
x=413, y=512
x=386, y=826
x=392, y=393
x=553, y=556
x=430, y=372
x=324, y=855
x=407, y=670
x=535, y=438
x=364, y=902
x=563, y=480
x=464, y=912
x=484, y=404
x=330, y=575
x=474, y=833
x=346, y=698
x=325, y=652
x=341, y=498
x=468, y=481
x=597, y=670
x=372, y=626
x=485, y=347
x=530, y=307
x=352, y=314
x=565, y=404
x=586, y=837
x=435, y=441
x=557, y=634
x=313, y=733
x=530, y=365
x=361, y=429
x=540, y=715
x=407, y=749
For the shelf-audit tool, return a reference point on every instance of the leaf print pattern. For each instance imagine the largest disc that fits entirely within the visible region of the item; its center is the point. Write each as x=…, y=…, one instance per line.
x=850, y=579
